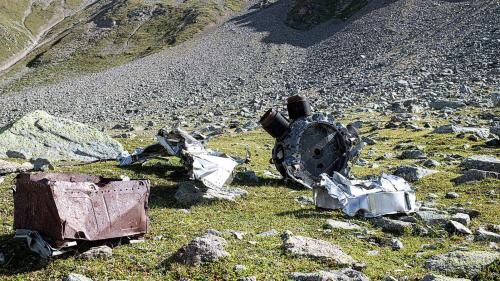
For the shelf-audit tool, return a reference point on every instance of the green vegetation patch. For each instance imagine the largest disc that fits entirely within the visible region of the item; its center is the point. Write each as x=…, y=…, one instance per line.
x=269, y=205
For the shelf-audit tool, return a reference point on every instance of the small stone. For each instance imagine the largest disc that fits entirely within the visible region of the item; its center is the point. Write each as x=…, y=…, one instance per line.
x=205, y=249
x=247, y=278
x=76, y=277
x=433, y=217
x=394, y=226
x=412, y=173
x=309, y=247
x=390, y=278
x=2, y=258
x=373, y=252
x=239, y=268
x=452, y=195
x=42, y=164
x=248, y=176
x=458, y=228
x=413, y=154
x=429, y=163
x=334, y=224
x=485, y=235
x=97, y=252
x=304, y=200
x=270, y=233
x=461, y=218
x=396, y=244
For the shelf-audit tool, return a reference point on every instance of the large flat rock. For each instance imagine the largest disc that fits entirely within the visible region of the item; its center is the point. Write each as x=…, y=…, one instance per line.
x=40, y=135
x=460, y=263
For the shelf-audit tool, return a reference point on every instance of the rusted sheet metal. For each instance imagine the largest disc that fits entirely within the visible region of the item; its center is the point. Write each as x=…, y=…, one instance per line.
x=80, y=207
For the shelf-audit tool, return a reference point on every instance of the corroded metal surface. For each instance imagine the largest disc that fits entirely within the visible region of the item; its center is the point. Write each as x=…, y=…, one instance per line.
x=80, y=207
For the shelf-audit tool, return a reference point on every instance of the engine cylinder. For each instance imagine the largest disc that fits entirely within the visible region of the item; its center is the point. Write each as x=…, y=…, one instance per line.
x=298, y=107
x=275, y=123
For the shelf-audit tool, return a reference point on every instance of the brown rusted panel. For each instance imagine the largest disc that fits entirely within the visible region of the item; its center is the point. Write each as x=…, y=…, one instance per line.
x=80, y=207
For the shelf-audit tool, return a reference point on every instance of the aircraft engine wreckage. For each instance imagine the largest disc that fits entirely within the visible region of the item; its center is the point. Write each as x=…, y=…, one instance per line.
x=212, y=169
x=53, y=212
x=315, y=152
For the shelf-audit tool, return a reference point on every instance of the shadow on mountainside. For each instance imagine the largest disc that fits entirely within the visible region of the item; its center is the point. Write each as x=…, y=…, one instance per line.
x=272, y=21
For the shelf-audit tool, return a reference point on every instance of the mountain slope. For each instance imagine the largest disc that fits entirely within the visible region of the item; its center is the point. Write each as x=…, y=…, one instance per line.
x=80, y=36
x=389, y=50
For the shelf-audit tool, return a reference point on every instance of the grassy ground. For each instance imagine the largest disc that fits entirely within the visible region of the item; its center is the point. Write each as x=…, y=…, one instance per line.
x=270, y=204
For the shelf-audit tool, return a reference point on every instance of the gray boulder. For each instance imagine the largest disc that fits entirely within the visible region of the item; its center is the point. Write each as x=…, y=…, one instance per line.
x=483, y=163
x=205, y=249
x=345, y=274
x=40, y=135
x=309, y=247
x=441, y=103
x=433, y=217
x=7, y=167
x=455, y=129
x=413, y=154
x=475, y=175
x=190, y=193
x=461, y=263
x=412, y=173
x=394, y=226
x=458, y=228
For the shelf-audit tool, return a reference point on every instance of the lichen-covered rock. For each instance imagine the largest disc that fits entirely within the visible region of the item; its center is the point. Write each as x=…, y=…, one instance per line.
x=310, y=247
x=345, y=274
x=205, y=249
x=40, y=135
x=461, y=263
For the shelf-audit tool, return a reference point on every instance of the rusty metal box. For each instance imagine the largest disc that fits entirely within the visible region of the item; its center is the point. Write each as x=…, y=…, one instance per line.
x=80, y=207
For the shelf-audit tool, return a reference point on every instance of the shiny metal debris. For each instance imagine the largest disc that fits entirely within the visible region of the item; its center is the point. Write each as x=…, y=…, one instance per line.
x=213, y=169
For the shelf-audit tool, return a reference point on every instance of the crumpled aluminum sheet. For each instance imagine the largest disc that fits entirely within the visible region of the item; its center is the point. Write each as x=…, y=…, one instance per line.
x=388, y=194
x=212, y=168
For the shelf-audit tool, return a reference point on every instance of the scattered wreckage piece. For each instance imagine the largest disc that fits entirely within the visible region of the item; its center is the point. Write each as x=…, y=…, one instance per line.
x=55, y=211
x=214, y=170
x=315, y=152
x=386, y=195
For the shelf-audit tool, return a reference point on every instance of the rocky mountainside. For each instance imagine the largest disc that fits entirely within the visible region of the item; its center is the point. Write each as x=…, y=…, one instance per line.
x=50, y=39
x=387, y=51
